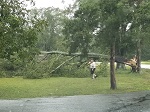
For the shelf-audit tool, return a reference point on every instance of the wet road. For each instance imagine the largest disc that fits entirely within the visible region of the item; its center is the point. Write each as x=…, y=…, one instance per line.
x=130, y=102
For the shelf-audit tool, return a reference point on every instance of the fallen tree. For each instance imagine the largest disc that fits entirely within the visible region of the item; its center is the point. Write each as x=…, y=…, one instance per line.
x=92, y=55
x=118, y=59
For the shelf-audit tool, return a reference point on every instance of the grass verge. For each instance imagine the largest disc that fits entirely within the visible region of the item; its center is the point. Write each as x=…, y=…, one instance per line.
x=14, y=88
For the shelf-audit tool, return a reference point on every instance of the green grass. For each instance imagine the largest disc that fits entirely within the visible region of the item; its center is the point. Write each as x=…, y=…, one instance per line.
x=14, y=88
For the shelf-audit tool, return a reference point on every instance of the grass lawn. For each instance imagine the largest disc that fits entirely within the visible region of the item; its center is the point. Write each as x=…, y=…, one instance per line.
x=17, y=87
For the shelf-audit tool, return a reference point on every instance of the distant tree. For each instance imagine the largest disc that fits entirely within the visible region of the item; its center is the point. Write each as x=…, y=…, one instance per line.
x=79, y=29
x=51, y=37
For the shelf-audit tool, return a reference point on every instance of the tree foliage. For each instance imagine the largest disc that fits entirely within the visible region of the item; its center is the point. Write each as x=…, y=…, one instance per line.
x=140, y=29
x=51, y=37
x=18, y=32
x=79, y=29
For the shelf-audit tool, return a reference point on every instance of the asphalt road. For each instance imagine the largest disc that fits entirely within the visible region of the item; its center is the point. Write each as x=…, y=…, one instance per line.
x=130, y=102
x=146, y=66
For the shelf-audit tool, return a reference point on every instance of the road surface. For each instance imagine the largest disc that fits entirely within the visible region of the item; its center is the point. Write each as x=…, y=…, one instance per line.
x=130, y=102
x=146, y=66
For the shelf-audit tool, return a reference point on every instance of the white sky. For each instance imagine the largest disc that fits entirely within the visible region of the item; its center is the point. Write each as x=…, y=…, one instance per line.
x=53, y=3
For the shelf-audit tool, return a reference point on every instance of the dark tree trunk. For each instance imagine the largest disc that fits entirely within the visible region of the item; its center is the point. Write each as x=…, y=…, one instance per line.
x=138, y=56
x=112, y=67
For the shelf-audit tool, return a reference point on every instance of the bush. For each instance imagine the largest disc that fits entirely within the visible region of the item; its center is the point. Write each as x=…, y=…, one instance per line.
x=32, y=71
x=103, y=69
x=75, y=71
x=81, y=73
x=7, y=68
x=2, y=73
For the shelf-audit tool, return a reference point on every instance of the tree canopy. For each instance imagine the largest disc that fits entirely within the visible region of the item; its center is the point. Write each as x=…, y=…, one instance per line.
x=18, y=32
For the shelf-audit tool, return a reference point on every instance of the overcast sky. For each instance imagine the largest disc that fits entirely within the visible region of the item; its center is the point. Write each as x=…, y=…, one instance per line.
x=54, y=3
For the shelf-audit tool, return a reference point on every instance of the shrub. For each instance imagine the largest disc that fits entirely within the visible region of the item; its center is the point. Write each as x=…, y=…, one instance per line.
x=2, y=73
x=74, y=71
x=7, y=68
x=32, y=71
x=103, y=69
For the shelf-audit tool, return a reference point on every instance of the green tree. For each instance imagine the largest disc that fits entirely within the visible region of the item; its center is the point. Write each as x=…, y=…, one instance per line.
x=103, y=21
x=141, y=28
x=18, y=32
x=51, y=37
x=93, y=18
x=79, y=28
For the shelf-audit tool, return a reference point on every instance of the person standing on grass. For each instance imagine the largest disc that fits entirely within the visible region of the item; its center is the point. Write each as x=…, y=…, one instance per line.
x=92, y=68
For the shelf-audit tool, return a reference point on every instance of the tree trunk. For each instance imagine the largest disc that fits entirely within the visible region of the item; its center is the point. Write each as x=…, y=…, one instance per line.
x=112, y=67
x=138, y=56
